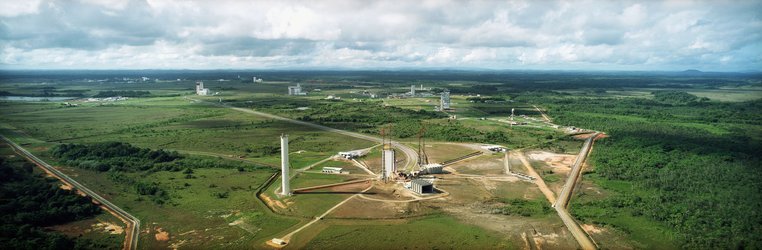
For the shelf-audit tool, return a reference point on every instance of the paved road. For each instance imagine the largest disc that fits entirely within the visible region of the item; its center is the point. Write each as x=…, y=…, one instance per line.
x=133, y=223
x=411, y=156
x=565, y=195
x=562, y=202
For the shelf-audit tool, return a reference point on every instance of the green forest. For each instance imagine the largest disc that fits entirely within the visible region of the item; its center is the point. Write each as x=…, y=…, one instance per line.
x=31, y=202
x=693, y=165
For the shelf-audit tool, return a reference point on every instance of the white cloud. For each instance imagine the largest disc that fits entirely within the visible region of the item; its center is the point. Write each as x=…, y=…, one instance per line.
x=343, y=33
x=12, y=8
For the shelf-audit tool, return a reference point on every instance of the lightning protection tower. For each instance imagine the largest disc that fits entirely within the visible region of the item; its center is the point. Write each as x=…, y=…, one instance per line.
x=423, y=159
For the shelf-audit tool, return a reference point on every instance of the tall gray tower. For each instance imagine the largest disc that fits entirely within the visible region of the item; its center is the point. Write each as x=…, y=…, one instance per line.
x=285, y=189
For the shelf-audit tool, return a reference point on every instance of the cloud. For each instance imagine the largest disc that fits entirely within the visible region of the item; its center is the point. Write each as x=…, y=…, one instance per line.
x=12, y=8
x=580, y=34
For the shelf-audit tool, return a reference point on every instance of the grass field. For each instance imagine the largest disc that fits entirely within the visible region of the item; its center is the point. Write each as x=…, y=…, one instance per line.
x=432, y=232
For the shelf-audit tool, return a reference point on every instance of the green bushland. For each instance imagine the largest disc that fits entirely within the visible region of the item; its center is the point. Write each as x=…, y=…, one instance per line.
x=31, y=202
x=118, y=157
x=522, y=207
x=677, y=97
x=369, y=117
x=693, y=166
x=357, y=116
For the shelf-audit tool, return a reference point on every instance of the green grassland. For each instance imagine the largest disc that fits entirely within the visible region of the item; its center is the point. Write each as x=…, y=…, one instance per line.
x=432, y=232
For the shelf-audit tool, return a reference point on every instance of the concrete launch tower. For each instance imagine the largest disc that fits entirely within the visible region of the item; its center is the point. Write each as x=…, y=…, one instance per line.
x=389, y=169
x=285, y=190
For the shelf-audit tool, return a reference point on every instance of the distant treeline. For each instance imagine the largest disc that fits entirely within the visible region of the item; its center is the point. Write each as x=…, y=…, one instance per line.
x=123, y=93
x=31, y=202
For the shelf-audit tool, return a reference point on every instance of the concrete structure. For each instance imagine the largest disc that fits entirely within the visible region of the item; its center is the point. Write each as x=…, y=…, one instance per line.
x=412, y=90
x=433, y=168
x=256, y=80
x=296, y=90
x=285, y=189
x=200, y=90
x=444, y=100
x=333, y=170
x=389, y=168
x=421, y=186
x=352, y=154
x=495, y=148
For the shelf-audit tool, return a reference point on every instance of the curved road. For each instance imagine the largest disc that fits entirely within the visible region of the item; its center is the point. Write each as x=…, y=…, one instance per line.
x=133, y=223
x=411, y=156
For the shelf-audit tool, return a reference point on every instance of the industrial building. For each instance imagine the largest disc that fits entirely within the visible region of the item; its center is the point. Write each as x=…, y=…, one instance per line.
x=444, y=100
x=200, y=90
x=412, y=90
x=495, y=148
x=285, y=190
x=333, y=170
x=296, y=90
x=433, y=168
x=256, y=80
x=352, y=154
x=421, y=186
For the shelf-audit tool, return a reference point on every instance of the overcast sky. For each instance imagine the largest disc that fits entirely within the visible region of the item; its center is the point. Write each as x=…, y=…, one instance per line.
x=214, y=34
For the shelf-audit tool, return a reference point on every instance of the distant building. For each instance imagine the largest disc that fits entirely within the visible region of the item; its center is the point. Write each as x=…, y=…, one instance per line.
x=412, y=90
x=200, y=90
x=444, y=100
x=421, y=186
x=352, y=154
x=333, y=170
x=296, y=90
x=256, y=80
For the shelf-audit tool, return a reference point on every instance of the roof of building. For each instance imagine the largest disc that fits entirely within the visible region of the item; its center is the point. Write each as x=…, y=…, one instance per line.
x=332, y=168
x=421, y=182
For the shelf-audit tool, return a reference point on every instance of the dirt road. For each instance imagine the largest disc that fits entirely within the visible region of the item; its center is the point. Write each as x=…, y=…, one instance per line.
x=537, y=178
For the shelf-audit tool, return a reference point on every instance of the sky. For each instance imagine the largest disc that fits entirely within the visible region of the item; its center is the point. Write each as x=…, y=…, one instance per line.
x=514, y=35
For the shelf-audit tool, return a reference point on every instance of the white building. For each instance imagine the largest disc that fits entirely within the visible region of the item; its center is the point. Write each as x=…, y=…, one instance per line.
x=296, y=90
x=444, y=100
x=412, y=90
x=433, y=168
x=352, y=154
x=495, y=148
x=421, y=186
x=255, y=79
x=200, y=90
x=334, y=170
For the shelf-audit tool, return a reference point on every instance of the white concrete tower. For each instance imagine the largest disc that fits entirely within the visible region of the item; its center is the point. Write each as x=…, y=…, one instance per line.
x=285, y=189
x=412, y=90
x=389, y=163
